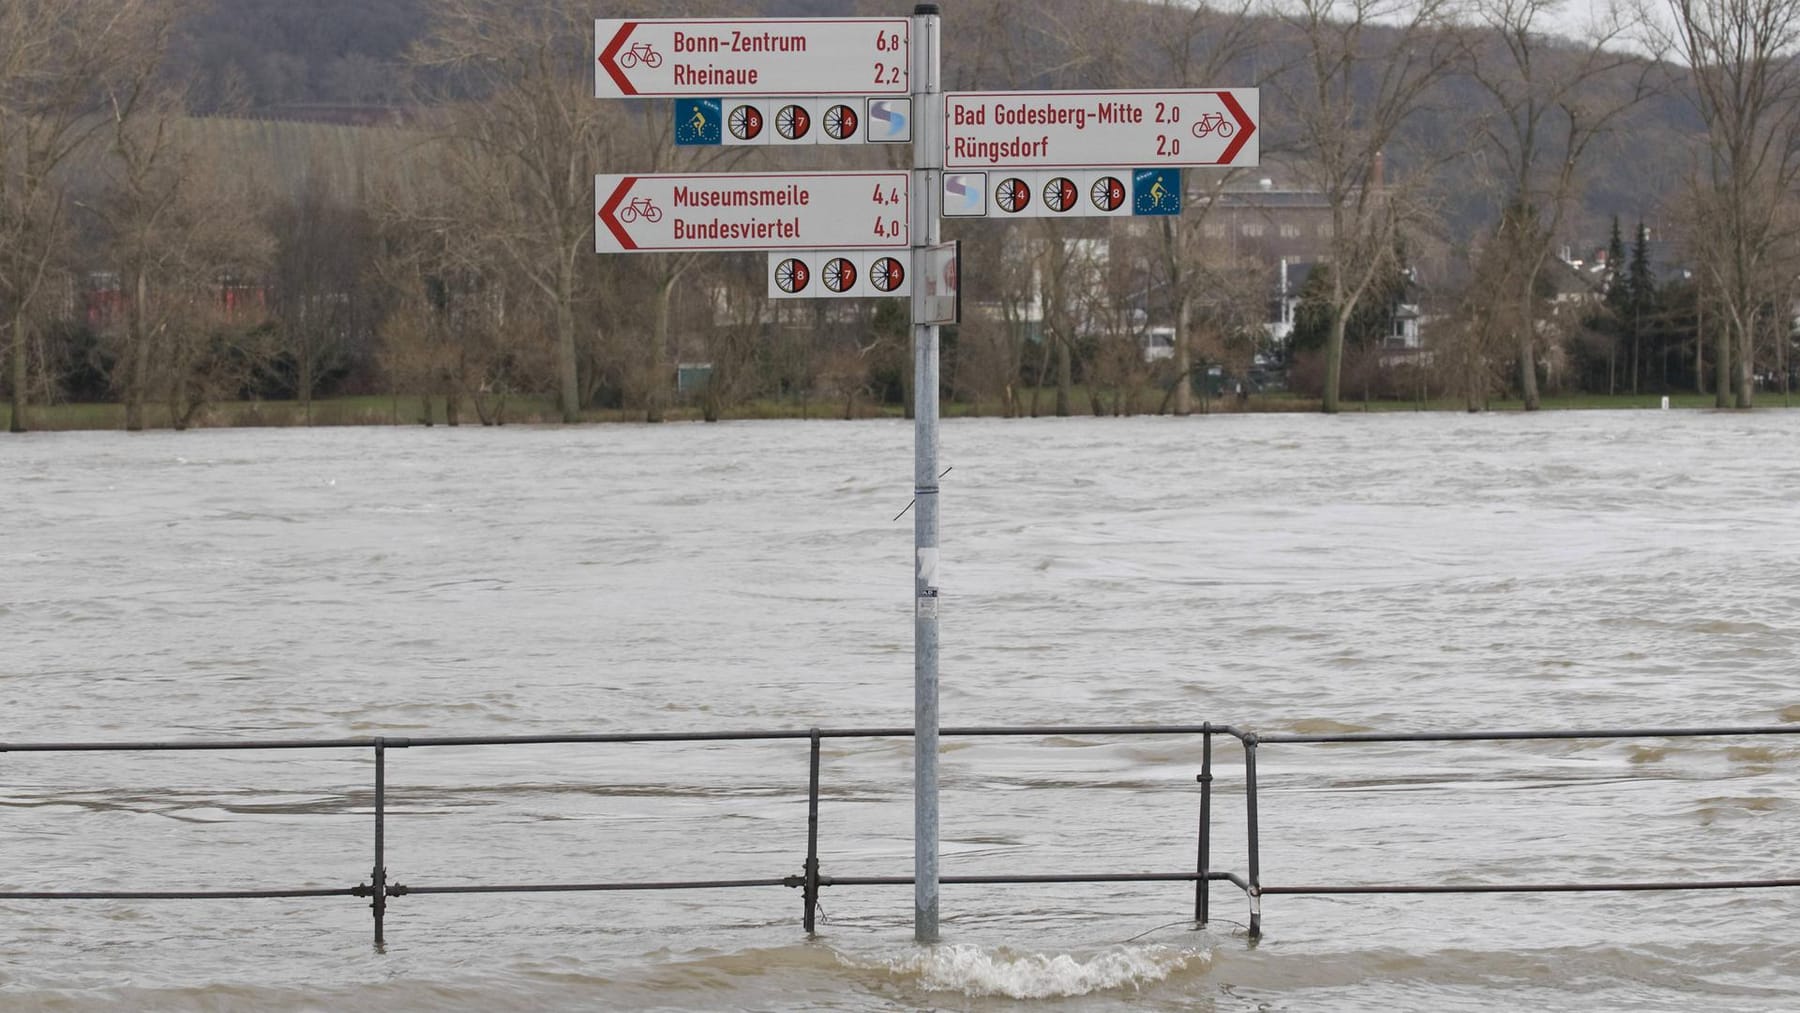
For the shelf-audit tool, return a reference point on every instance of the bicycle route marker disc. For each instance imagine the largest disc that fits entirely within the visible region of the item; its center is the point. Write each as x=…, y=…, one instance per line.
x=1061, y=194
x=886, y=274
x=840, y=274
x=680, y=57
x=1012, y=195
x=1100, y=129
x=752, y=211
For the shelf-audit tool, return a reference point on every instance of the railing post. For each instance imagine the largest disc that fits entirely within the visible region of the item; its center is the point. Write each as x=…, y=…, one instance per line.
x=378, y=879
x=1255, y=890
x=810, y=893
x=1202, y=888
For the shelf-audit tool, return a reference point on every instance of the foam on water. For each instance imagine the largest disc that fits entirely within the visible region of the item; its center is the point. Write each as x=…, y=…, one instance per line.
x=979, y=971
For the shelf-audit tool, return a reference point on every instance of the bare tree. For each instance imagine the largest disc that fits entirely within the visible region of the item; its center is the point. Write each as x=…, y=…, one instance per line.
x=1552, y=99
x=1746, y=80
x=322, y=245
x=56, y=57
x=1363, y=70
x=521, y=159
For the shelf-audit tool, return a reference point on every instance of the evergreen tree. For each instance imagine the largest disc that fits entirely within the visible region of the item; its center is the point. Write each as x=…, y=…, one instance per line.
x=1618, y=281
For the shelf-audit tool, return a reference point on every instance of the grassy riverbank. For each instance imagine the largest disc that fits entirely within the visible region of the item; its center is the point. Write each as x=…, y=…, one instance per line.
x=387, y=410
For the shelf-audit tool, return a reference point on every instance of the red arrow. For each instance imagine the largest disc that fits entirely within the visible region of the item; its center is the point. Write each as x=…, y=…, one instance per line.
x=611, y=65
x=612, y=204
x=1245, y=125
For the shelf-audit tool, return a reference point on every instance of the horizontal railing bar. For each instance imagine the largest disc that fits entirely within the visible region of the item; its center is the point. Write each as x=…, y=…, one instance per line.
x=420, y=742
x=400, y=890
x=178, y=746
x=1096, y=877
x=1724, y=884
x=1513, y=736
x=975, y=731
x=178, y=894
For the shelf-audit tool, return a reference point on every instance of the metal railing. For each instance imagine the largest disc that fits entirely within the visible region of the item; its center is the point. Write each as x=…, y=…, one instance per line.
x=811, y=879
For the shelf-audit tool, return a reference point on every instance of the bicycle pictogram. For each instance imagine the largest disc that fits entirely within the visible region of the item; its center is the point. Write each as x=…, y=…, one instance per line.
x=640, y=52
x=640, y=207
x=1213, y=123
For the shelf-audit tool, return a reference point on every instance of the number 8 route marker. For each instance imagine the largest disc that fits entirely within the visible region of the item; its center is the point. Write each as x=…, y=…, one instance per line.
x=752, y=211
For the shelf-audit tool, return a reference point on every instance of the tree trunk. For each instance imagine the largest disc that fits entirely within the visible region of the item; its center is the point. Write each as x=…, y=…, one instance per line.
x=655, y=366
x=1722, y=366
x=568, y=395
x=1065, y=379
x=20, y=398
x=140, y=357
x=1699, y=346
x=304, y=379
x=1334, y=359
x=1746, y=366
x=1184, y=358
x=1528, y=385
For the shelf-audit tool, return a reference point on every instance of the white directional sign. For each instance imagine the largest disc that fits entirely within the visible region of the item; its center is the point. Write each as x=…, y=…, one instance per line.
x=752, y=56
x=752, y=211
x=1100, y=129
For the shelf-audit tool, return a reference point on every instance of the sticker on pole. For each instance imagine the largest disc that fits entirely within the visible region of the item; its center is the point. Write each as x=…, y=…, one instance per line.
x=940, y=292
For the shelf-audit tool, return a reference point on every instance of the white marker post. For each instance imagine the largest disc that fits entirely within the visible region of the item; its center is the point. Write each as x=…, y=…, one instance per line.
x=928, y=164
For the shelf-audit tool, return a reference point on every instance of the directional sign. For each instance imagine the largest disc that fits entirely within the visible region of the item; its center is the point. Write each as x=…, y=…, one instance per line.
x=1100, y=129
x=752, y=56
x=752, y=211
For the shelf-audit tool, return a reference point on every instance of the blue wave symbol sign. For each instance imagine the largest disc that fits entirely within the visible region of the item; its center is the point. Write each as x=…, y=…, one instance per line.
x=890, y=120
x=699, y=121
x=965, y=194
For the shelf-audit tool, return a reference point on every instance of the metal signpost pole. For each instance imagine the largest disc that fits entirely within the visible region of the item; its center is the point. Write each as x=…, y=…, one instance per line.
x=928, y=156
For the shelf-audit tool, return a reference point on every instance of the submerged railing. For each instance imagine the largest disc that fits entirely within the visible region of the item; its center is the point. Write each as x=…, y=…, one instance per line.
x=811, y=880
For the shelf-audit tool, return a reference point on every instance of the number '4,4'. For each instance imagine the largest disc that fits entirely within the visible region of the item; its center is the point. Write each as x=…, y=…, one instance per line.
x=891, y=195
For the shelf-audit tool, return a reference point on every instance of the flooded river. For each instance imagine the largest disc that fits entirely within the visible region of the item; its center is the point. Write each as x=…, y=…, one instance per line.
x=1280, y=573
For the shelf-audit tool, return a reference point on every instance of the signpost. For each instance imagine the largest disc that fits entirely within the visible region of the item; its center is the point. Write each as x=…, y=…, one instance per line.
x=752, y=211
x=839, y=234
x=1100, y=129
x=673, y=57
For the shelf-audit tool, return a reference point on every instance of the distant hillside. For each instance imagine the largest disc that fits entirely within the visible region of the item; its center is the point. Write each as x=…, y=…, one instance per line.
x=342, y=61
